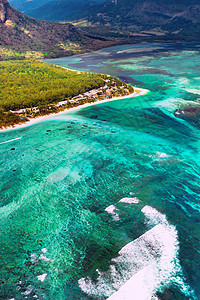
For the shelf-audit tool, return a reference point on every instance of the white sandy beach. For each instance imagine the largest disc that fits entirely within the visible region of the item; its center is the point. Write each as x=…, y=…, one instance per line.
x=39, y=119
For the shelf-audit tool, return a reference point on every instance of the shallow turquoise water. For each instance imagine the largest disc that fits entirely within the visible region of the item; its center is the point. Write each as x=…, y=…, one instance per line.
x=63, y=227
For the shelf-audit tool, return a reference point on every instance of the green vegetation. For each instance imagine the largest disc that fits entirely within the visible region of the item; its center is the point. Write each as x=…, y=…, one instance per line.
x=7, y=53
x=30, y=83
x=31, y=88
x=10, y=119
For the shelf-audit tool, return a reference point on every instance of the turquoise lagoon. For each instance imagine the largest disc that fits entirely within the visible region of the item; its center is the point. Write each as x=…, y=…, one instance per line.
x=108, y=195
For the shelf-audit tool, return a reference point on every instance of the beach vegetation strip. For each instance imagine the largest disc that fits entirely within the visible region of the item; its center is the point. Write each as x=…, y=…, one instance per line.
x=32, y=88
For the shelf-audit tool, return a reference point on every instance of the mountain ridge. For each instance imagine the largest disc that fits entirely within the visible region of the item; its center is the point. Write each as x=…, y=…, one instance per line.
x=133, y=20
x=24, y=37
x=64, y=10
x=140, y=15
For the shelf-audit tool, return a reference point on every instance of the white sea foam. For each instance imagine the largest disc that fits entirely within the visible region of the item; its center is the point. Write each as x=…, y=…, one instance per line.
x=42, y=277
x=130, y=200
x=154, y=217
x=44, y=250
x=131, y=193
x=193, y=91
x=142, y=267
x=42, y=256
x=131, y=287
x=11, y=140
x=112, y=210
x=183, y=81
x=162, y=155
x=28, y=291
x=34, y=258
x=133, y=258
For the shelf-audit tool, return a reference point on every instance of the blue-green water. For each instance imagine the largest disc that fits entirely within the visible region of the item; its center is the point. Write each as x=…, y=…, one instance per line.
x=87, y=204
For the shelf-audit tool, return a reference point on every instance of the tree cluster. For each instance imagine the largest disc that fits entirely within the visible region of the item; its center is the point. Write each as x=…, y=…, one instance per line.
x=31, y=83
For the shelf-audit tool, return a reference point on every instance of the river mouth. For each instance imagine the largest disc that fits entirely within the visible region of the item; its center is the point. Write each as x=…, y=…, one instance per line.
x=90, y=204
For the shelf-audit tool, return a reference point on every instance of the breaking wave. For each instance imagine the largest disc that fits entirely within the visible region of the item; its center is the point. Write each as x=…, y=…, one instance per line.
x=144, y=266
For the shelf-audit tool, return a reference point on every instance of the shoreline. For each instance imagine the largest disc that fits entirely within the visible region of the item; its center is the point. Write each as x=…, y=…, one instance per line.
x=33, y=121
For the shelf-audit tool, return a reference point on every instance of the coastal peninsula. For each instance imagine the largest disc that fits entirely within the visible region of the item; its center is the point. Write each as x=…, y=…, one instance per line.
x=31, y=90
